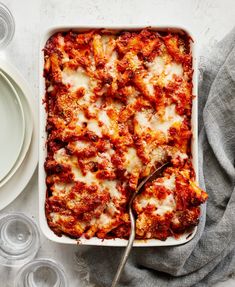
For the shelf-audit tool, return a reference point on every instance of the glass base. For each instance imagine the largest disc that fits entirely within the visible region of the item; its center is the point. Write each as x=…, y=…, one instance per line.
x=7, y=26
x=19, y=239
x=41, y=273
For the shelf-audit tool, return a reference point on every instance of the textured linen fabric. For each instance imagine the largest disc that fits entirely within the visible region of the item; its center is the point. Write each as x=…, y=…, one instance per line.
x=210, y=256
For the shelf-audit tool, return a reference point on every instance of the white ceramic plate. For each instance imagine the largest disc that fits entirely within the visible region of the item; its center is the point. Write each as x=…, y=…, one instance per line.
x=27, y=137
x=43, y=152
x=21, y=177
x=12, y=126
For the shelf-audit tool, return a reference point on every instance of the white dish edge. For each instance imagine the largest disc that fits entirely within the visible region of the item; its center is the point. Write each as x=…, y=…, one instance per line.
x=42, y=145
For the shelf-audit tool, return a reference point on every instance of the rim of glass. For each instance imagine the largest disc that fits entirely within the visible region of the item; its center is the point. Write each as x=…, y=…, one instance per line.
x=9, y=20
x=25, y=271
x=32, y=247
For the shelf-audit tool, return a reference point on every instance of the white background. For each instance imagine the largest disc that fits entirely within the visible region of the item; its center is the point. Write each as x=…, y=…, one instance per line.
x=209, y=20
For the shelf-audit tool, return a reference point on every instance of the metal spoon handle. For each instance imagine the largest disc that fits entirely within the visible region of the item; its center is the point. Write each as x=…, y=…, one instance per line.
x=127, y=250
x=126, y=253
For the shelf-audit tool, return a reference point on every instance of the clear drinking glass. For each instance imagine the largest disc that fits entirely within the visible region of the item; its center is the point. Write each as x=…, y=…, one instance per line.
x=7, y=26
x=41, y=273
x=19, y=239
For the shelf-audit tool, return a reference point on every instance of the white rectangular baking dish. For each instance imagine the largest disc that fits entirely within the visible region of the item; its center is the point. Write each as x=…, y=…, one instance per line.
x=43, y=137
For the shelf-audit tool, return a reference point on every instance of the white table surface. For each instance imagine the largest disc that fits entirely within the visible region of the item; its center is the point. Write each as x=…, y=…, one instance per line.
x=209, y=20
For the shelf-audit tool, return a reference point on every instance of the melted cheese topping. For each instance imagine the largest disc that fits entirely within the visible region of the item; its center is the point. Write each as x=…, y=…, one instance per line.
x=143, y=119
x=75, y=79
x=50, y=88
x=104, y=220
x=132, y=160
x=158, y=155
x=104, y=118
x=92, y=124
x=153, y=122
x=157, y=66
x=111, y=185
x=60, y=156
x=81, y=118
x=90, y=178
x=111, y=65
x=169, y=183
x=94, y=127
x=81, y=144
x=171, y=70
x=61, y=189
x=165, y=71
x=161, y=72
x=167, y=205
x=162, y=206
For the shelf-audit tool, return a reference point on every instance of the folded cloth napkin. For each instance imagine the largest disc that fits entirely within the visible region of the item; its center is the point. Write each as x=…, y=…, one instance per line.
x=210, y=256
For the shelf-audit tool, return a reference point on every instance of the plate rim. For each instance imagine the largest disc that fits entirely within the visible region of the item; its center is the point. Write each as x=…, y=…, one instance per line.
x=12, y=189
x=26, y=142
x=16, y=96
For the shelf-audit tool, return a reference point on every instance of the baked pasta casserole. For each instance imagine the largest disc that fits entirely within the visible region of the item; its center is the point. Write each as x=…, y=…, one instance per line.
x=119, y=105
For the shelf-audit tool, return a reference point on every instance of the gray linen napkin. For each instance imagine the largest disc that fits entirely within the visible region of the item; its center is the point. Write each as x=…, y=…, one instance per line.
x=210, y=256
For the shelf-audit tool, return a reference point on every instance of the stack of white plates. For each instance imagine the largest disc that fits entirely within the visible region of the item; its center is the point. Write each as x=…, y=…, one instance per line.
x=18, y=133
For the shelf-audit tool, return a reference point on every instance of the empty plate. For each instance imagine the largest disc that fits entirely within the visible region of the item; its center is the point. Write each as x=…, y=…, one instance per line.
x=28, y=132
x=16, y=184
x=12, y=126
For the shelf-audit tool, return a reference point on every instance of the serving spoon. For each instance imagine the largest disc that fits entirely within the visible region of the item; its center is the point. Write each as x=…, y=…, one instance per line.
x=155, y=174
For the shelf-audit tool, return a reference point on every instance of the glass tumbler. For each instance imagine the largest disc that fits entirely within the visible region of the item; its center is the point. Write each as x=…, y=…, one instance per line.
x=41, y=273
x=19, y=239
x=7, y=26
